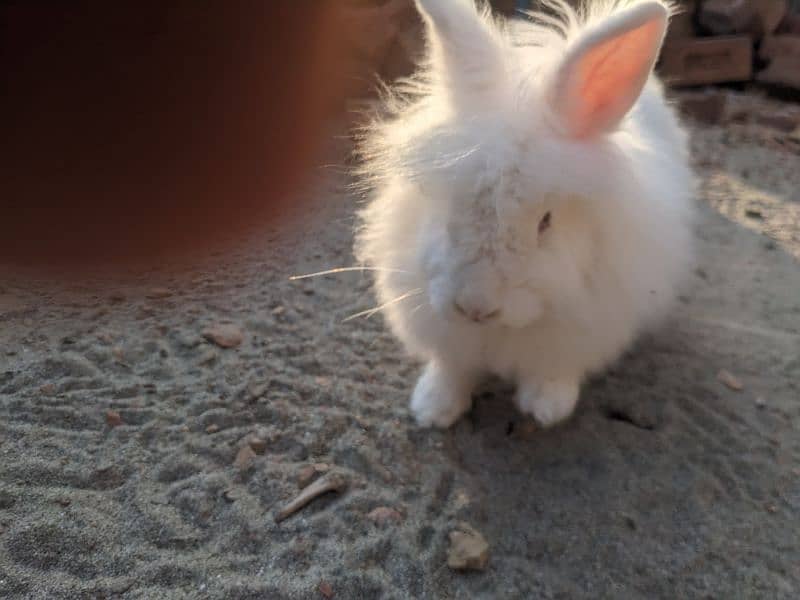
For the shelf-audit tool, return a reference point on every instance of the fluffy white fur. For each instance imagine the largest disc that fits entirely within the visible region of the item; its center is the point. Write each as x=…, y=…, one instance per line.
x=505, y=123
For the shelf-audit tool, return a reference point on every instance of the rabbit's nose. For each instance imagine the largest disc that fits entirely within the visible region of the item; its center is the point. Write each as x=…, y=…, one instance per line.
x=475, y=313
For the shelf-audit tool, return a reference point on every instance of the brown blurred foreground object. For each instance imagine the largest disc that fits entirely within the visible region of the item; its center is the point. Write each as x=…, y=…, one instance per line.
x=782, y=52
x=133, y=130
x=707, y=60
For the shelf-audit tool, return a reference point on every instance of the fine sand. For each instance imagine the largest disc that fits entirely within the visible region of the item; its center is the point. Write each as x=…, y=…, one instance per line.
x=668, y=483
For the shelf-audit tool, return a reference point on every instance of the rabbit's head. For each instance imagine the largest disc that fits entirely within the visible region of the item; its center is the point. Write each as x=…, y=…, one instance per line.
x=506, y=166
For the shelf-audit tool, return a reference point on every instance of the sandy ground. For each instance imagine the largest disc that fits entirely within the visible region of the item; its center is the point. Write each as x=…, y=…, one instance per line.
x=666, y=484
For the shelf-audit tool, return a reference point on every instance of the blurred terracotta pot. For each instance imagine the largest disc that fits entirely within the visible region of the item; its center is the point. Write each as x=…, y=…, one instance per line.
x=141, y=129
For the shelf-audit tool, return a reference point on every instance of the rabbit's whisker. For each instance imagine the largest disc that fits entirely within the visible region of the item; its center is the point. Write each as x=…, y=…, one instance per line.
x=345, y=270
x=368, y=313
x=416, y=308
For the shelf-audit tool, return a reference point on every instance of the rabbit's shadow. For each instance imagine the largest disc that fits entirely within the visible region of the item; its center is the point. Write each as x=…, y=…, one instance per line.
x=627, y=393
x=517, y=472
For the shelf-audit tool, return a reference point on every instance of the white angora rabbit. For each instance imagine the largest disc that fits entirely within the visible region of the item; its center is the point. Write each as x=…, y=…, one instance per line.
x=531, y=204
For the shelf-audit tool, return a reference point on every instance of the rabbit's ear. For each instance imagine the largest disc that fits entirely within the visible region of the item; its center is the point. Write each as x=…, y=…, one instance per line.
x=604, y=73
x=466, y=49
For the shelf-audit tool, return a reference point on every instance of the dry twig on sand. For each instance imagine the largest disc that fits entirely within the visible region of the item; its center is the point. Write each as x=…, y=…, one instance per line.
x=334, y=482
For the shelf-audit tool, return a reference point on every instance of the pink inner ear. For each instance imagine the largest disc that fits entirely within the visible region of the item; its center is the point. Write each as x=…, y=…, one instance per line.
x=608, y=78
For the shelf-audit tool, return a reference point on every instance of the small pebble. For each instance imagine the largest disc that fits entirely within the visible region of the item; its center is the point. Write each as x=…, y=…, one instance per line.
x=326, y=589
x=256, y=390
x=213, y=428
x=230, y=495
x=730, y=380
x=207, y=357
x=224, y=335
x=113, y=418
x=760, y=402
x=189, y=340
x=383, y=515
x=244, y=458
x=469, y=550
x=158, y=293
x=258, y=444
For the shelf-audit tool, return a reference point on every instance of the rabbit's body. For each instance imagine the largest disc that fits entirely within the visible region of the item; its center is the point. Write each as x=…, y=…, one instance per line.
x=523, y=245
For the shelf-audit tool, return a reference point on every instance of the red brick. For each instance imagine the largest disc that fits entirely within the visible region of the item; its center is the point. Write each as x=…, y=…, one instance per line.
x=776, y=46
x=783, y=54
x=782, y=70
x=701, y=61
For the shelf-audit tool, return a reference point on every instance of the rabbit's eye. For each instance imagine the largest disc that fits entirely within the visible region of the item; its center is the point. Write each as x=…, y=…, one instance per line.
x=544, y=224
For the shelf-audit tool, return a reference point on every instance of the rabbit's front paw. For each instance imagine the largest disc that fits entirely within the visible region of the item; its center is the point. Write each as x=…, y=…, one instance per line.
x=439, y=399
x=550, y=402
